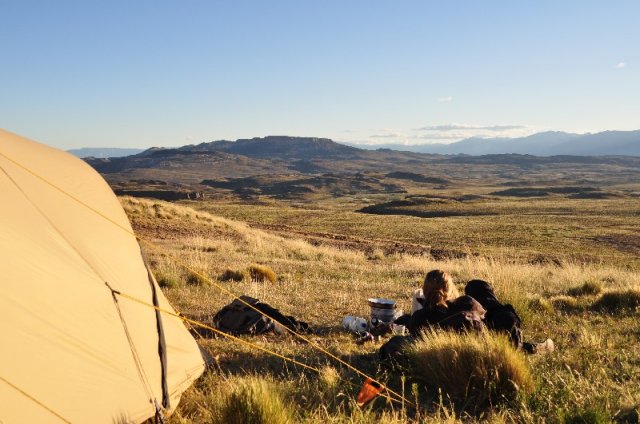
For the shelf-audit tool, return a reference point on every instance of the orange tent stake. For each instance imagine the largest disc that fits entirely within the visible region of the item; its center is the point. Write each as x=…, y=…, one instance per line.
x=370, y=389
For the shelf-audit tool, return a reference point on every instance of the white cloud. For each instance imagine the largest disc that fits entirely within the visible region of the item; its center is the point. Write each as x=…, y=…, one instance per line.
x=621, y=65
x=445, y=99
x=388, y=135
x=457, y=127
x=438, y=133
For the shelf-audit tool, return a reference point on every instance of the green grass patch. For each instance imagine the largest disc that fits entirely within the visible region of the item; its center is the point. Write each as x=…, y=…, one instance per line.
x=588, y=415
x=196, y=279
x=589, y=288
x=232, y=275
x=618, y=301
x=168, y=281
x=566, y=304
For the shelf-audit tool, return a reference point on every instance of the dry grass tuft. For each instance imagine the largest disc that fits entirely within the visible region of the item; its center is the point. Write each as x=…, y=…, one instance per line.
x=196, y=279
x=329, y=377
x=589, y=415
x=168, y=281
x=321, y=280
x=590, y=288
x=255, y=401
x=541, y=304
x=618, y=301
x=261, y=273
x=566, y=304
x=377, y=254
x=232, y=275
x=469, y=368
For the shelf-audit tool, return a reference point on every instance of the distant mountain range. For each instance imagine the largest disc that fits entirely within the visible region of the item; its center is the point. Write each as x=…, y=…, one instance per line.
x=103, y=152
x=287, y=156
x=551, y=143
x=308, y=168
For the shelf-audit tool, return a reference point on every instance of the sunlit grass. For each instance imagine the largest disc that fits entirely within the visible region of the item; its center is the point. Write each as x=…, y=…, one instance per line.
x=593, y=366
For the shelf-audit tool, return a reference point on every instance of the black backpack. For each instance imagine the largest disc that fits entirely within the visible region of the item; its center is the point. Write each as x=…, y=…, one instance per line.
x=238, y=318
x=464, y=314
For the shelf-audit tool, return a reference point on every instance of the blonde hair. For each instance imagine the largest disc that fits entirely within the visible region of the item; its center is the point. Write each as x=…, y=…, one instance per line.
x=438, y=287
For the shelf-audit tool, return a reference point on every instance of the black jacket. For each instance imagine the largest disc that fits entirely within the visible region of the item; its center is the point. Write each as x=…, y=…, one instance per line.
x=463, y=313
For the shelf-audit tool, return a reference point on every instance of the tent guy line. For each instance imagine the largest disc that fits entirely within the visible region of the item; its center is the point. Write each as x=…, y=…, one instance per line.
x=206, y=278
x=136, y=357
x=300, y=336
x=134, y=352
x=27, y=395
x=64, y=341
x=245, y=342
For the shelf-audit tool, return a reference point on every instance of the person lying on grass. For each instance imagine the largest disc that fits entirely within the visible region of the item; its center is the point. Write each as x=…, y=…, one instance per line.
x=441, y=306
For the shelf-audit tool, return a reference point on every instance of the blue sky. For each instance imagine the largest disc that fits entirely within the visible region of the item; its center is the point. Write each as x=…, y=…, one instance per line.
x=167, y=73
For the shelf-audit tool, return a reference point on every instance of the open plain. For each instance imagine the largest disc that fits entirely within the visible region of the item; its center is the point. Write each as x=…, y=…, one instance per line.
x=562, y=250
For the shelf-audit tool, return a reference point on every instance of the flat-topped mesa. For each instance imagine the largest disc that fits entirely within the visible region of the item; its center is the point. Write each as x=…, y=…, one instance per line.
x=279, y=147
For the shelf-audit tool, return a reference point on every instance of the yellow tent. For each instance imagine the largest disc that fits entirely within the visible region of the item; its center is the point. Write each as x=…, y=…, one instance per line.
x=71, y=349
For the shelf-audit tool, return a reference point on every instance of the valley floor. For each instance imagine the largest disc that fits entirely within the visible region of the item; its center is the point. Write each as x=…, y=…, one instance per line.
x=326, y=268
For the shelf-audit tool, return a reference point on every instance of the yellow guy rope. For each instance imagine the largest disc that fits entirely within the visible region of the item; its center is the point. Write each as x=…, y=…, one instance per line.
x=63, y=419
x=237, y=339
x=300, y=336
x=206, y=278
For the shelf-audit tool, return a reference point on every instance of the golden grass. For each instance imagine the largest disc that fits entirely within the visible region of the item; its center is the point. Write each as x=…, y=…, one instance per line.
x=262, y=273
x=475, y=369
x=541, y=230
x=322, y=283
x=566, y=303
x=254, y=401
x=589, y=288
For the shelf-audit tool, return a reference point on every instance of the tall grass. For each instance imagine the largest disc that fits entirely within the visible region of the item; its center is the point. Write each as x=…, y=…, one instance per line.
x=617, y=301
x=593, y=363
x=477, y=370
x=262, y=273
x=255, y=401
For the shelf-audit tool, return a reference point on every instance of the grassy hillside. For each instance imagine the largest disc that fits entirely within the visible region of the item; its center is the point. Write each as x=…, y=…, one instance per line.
x=542, y=229
x=593, y=375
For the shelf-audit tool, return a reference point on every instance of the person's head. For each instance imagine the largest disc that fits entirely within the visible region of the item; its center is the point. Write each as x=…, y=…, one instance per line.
x=438, y=287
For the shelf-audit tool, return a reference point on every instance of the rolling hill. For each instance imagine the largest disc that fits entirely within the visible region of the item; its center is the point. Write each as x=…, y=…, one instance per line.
x=311, y=168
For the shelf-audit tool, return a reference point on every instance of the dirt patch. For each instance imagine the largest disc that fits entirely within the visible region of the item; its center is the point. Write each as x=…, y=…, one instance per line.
x=627, y=243
x=548, y=191
x=169, y=229
x=342, y=241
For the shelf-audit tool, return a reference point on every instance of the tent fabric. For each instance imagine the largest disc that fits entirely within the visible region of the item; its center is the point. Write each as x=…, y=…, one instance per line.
x=64, y=342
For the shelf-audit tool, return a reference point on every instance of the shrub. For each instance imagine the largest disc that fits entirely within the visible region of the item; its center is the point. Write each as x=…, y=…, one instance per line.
x=618, y=301
x=329, y=377
x=167, y=280
x=255, y=401
x=540, y=304
x=196, y=279
x=566, y=304
x=590, y=288
x=589, y=415
x=262, y=273
x=474, y=369
x=377, y=254
x=231, y=275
